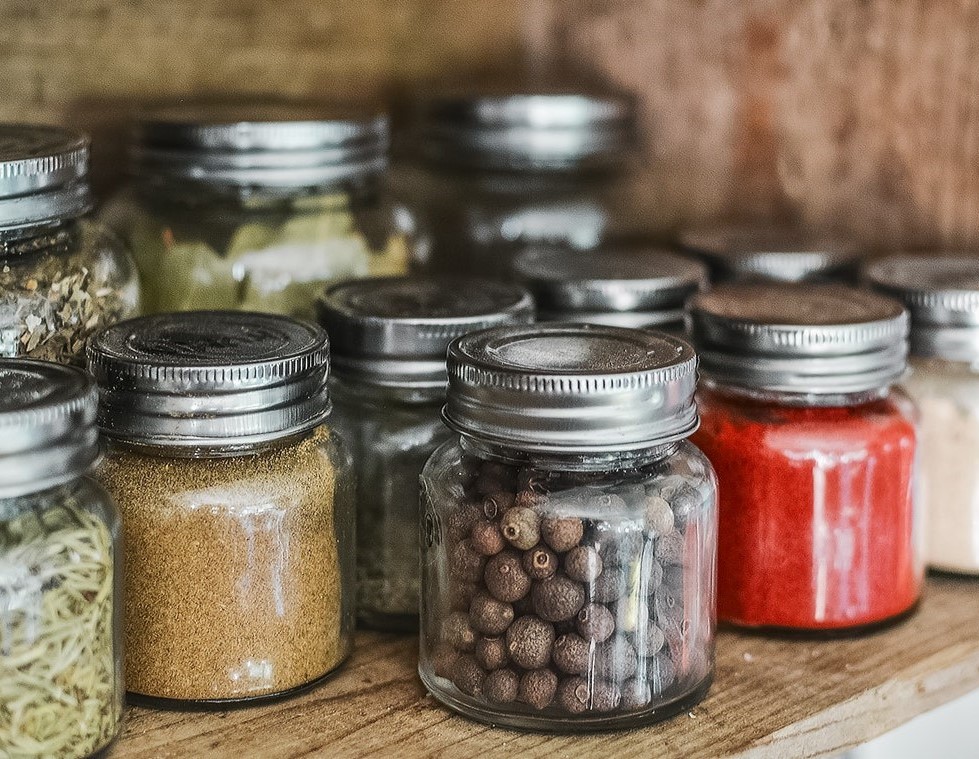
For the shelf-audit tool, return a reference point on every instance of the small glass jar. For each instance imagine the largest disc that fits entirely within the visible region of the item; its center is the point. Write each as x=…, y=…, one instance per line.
x=236, y=501
x=942, y=295
x=60, y=570
x=257, y=208
x=496, y=173
x=388, y=338
x=625, y=285
x=815, y=452
x=568, y=564
x=62, y=277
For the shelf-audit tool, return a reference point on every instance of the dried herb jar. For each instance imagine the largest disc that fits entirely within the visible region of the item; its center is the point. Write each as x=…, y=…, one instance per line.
x=568, y=563
x=389, y=338
x=60, y=569
x=62, y=277
x=816, y=454
x=257, y=207
x=236, y=501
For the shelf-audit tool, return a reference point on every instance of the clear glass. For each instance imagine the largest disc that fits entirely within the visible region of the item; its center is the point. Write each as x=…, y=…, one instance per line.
x=947, y=394
x=203, y=246
x=239, y=573
x=568, y=593
x=61, y=687
x=59, y=285
x=819, y=509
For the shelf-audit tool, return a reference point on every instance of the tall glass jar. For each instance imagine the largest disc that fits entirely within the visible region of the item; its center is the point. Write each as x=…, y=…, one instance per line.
x=257, y=208
x=494, y=173
x=568, y=564
x=389, y=338
x=815, y=452
x=236, y=501
x=60, y=570
x=62, y=277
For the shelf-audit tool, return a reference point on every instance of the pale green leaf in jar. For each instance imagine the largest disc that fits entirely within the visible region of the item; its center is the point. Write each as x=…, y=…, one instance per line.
x=192, y=276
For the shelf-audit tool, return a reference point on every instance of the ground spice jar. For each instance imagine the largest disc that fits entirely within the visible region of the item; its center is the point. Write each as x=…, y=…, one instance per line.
x=236, y=501
x=61, y=692
x=568, y=563
x=942, y=295
x=388, y=338
x=815, y=453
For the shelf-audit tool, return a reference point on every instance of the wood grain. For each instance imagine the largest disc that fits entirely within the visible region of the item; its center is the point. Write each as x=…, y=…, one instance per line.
x=771, y=699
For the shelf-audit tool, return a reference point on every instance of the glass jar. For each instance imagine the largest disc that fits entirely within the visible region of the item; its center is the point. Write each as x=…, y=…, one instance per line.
x=62, y=277
x=257, y=208
x=942, y=295
x=60, y=570
x=236, y=501
x=568, y=564
x=495, y=173
x=623, y=285
x=389, y=338
x=815, y=452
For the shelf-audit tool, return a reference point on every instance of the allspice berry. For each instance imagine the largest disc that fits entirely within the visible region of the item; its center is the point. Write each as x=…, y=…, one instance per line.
x=486, y=538
x=458, y=632
x=660, y=673
x=530, y=499
x=573, y=695
x=583, y=564
x=461, y=595
x=529, y=642
x=648, y=639
x=538, y=688
x=491, y=653
x=609, y=586
x=465, y=563
x=659, y=516
x=667, y=609
x=635, y=693
x=521, y=527
x=540, y=562
x=468, y=676
x=497, y=503
x=461, y=521
x=557, y=598
x=443, y=660
x=615, y=660
x=571, y=654
x=489, y=616
x=595, y=622
x=562, y=533
x=505, y=577
x=502, y=686
x=605, y=697
x=669, y=548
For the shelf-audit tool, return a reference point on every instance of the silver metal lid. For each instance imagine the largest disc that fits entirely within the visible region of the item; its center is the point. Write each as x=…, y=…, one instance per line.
x=528, y=132
x=210, y=379
x=766, y=252
x=269, y=145
x=47, y=425
x=818, y=339
x=43, y=175
x=571, y=388
x=395, y=331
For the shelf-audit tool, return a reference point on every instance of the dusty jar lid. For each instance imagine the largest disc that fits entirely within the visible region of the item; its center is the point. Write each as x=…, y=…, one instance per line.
x=47, y=425
x=571, y=388
x=817, y=339
x=43, y=175
x=269, y=145
x=210, y=379
x=528, y=132
x=624, y=287
x=396, y=331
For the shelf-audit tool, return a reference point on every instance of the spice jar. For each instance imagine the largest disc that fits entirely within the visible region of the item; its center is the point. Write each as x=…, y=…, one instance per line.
x=60, y=638
x=257, y=208
x=496, y=172
x=623, y=286
x=815, y=453
x=389, y=338
x=569, y=531
x=942, y=295
x=236, y=501
x=62, y=277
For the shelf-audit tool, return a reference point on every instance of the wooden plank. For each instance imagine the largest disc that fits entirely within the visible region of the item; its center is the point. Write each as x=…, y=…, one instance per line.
x=771, y=698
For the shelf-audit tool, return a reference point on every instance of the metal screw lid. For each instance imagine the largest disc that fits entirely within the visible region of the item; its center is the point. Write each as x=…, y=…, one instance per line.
x=571, y=388
x=818, y=339
x=43, y=175
x=47, y=425
x=269, y=145
x=395, y=331
x=210, y=379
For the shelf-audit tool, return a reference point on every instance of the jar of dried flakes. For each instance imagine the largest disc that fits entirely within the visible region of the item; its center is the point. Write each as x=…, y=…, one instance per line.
x=236, y=501
x=60, y=567
x=62, y=277
x=569, y=531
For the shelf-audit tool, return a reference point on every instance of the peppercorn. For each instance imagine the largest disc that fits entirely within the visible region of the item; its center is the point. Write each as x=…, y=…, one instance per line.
x=571, y=654
x=572, y=695
x=529, y=642
x=583, y=564
x=557, y=598
x=660, y=673
x=505, y=577
x=502, y=686
x=615, y=660
x=635, y=693
x=537, y=688
x=562, y=533
x=465, y=563
x=609, y=586
x=521, y=527
x=491, y=653
x=468, y=676
x=461, y=521
x=659, y=516
x=486, y=538
x=540, y=562
x=497, y=503
x=443, y=660
x=489, y=616
x=669, y=548
x=648, y=639
x=458, y=632
x=595, y=622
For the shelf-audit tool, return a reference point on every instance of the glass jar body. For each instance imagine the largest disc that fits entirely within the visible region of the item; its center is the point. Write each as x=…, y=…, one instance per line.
x=391, y=435
x=61, y=664
x=239, y=573
x=819, y=514
x=60, y=284
x=567, y=595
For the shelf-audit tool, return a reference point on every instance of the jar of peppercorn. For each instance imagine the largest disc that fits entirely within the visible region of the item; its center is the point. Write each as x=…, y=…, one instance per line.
x=569, y=531
x=815, y=452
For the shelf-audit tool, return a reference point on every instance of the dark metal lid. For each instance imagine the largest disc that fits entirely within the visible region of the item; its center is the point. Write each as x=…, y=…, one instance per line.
x=218, y=379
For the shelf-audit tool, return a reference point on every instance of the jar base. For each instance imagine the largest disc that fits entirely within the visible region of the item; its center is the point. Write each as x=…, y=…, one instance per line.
x=384, y=622
x=827, y=633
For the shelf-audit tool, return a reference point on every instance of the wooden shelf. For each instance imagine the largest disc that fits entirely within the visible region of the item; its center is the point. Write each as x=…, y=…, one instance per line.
x=771, y=698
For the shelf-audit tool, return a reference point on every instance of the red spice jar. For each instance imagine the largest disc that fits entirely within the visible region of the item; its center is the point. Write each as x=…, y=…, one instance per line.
x=815, y=455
